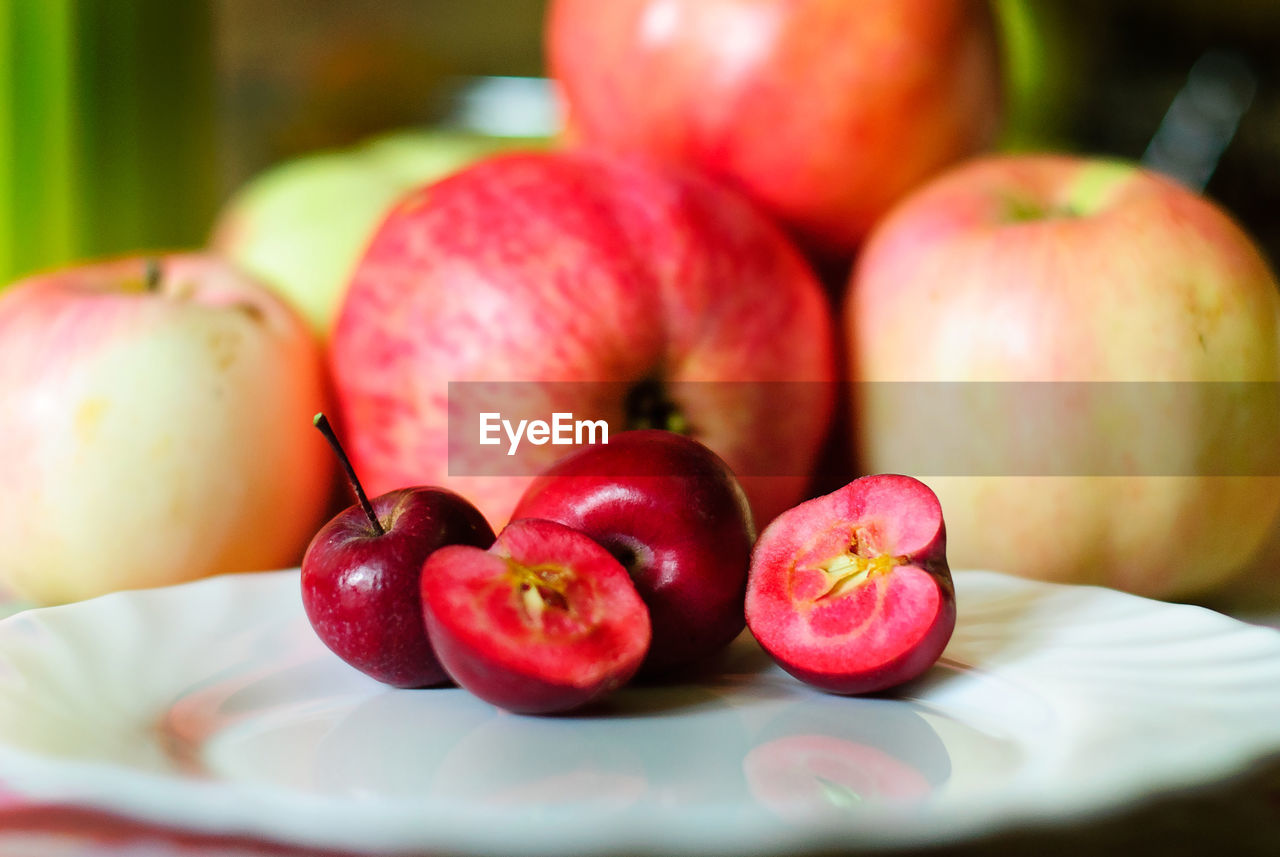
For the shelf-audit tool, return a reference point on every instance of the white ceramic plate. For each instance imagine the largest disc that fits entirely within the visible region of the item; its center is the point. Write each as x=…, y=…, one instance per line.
x=212, y=706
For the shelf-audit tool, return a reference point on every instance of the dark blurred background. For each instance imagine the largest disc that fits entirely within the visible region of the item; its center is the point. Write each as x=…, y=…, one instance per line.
x=297, y=75
x=126, y=123
x=1112, y=69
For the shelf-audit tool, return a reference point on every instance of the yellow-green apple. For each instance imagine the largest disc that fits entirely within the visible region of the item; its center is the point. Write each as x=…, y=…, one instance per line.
x=824, y=111
x=301, y=225
x=158, y=417
x=1150, y=463
x=581, y=284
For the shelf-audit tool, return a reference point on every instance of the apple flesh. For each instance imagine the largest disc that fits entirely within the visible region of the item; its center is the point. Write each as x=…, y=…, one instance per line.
x=600, y=287
x=826, y=112
x=850, y=592
x=1097, y=276
x=674, y=515
x=544, y=621
x=156, y=414
x=360, y=585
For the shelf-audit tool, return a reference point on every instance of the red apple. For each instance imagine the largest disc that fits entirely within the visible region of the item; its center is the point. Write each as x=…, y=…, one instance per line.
x=673, y=514
x=851, y=592
x=360, y=576
x=825, y=111
x=544, y=621
x=154, y=414
x=587, y=285
x=1024, y=269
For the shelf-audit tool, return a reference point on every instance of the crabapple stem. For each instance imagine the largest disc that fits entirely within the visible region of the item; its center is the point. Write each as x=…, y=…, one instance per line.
x=321, y=422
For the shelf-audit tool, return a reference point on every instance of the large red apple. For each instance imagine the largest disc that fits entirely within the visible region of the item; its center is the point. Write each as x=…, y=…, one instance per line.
x=156, y=422
x=583, y=285
x=825, y=111
x=1028, y=269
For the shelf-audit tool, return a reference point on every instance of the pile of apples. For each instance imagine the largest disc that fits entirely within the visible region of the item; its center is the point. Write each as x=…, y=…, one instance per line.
x=657, y=268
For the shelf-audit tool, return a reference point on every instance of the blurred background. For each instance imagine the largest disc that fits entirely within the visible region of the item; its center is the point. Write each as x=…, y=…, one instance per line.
x=125, y=124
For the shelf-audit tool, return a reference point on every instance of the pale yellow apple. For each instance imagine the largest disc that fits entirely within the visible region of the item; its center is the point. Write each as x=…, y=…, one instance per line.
x=157, y=428
x=1148, y=461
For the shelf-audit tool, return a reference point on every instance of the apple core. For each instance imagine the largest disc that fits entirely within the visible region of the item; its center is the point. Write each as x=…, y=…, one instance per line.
x=843, y=573
x=540, y=588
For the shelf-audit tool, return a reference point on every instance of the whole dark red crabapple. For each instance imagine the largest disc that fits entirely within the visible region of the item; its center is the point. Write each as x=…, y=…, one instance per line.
x=360, y=576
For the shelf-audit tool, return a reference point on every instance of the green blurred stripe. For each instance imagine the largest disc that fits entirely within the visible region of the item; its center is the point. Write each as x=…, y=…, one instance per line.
x=107, y=128
x=38, y=116
x=7, y=153
x=150, y=154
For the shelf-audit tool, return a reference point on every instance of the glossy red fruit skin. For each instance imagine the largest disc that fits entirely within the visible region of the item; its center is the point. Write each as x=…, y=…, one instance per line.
x=880, y=633
x=479, y=619
x=360, y=590
x=672, y=512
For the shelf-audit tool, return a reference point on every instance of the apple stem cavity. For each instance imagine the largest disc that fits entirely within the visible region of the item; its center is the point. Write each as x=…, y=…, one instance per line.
x=152, y=274
x=647, y=407
x=321, y=422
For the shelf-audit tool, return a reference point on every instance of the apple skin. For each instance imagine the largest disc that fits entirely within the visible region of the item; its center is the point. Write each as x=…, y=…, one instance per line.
x=301, y=225
x=824, y=111
x=1053, y=268
x=584, y=277
x=892, y=624
x=159, y=436
x=360, y=589
x=582, y=640
x=674, y=515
